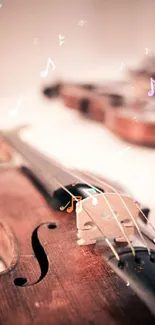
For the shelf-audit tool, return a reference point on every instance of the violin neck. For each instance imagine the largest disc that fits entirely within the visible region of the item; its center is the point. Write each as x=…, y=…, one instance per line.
x=49, y=173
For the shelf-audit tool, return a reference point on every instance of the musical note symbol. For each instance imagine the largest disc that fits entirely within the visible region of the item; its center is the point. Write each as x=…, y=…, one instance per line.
x=35, y=41
x=94, y=199
x=70, y=209
x=146, y=50
x=61, y=39
x=151, y=92
x=134, y=120
x=15, y=110
x=82, y=22
x=62, y=208
x=45, y=72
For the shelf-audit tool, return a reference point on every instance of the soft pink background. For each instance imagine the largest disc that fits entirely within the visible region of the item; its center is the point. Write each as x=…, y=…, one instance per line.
x=116, y=31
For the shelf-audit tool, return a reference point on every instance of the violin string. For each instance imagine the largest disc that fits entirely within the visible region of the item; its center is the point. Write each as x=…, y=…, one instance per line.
x=105, y=238
x=122, y=200
x=113, y=249
x=112, y=188
x=114, y=215
x=149, y=223
x=66, y=190
x=139, y=231
x=106, y=200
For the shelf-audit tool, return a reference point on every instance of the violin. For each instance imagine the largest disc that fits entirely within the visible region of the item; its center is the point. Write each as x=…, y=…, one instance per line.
x=131, y=118
x=67, y=240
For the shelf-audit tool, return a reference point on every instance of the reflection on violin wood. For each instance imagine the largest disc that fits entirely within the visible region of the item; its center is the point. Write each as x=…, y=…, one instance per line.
x=2, y=266
x=79, y=287
x=5, y=152
x=9, y=252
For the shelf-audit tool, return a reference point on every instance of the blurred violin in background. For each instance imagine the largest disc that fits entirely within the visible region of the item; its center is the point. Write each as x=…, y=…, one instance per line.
x=124, y=107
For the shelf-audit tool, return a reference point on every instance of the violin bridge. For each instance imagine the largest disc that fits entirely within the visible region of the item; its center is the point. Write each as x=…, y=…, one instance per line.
x=112, y=218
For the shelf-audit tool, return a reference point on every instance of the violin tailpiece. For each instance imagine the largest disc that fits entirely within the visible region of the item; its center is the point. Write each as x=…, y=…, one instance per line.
x=138, y=271
x=101, y=219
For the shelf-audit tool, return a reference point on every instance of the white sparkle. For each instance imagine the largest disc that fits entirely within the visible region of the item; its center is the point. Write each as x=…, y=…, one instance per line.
x=122, y=66
x=61, y=39
x=1, y=5
x=146, y=50
x=121, y=153
x=134, y=120
x=127, y=284
x=103, y=214
x=35, y=41
x=82, y=22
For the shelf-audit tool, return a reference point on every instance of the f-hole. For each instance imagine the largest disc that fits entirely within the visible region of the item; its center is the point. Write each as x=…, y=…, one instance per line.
x=40, y=256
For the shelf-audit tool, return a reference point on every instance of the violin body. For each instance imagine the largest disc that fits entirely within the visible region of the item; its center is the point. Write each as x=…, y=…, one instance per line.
x=131, y=119
x=133, y=126
x=47, y=278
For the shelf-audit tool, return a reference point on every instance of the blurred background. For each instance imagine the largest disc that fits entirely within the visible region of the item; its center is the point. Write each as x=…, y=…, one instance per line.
x=97, y=37
x=86, y=40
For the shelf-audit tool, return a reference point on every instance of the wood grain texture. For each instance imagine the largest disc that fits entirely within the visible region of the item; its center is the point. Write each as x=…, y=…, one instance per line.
x=79, y=287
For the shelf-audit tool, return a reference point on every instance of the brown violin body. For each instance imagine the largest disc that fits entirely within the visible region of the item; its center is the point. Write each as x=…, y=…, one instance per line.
x=131, y=120
x=73, y=286
x=132, y=126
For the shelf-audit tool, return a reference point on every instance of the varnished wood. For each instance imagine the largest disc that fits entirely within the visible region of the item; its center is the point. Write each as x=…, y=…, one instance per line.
x=5, y=151
x=137, y=125
x=9, y=250
x=140, y=130
x=79, y=287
